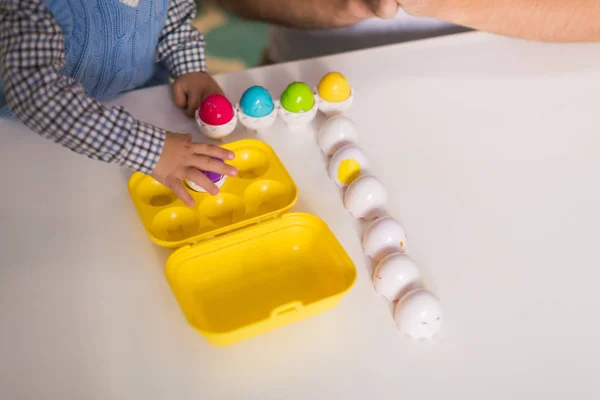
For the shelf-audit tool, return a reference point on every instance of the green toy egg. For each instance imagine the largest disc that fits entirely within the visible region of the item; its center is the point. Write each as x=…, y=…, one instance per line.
x=297, y=97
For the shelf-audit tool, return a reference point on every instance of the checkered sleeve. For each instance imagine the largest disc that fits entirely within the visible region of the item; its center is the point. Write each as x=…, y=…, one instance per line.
x=181, y=46
x=32, y=55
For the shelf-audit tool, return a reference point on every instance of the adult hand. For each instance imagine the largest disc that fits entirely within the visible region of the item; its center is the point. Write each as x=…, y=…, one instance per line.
x=375, y=8
x=420, y=8
x=181, y=159
x=190, y=89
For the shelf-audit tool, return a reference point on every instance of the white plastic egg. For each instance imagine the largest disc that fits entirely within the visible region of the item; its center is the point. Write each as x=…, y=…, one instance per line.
x=298, y=120
x=366, y=198
x=255, y=124
x=198, y=188
x=216, y=131
x=419, y=314
x=331, y=108
x=347, y=164
x=395, y=275
x=336, y=133
x=384, y=236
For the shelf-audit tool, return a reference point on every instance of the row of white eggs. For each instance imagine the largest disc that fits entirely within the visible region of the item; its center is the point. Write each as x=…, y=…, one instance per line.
x=397, y=276
x=418, y=313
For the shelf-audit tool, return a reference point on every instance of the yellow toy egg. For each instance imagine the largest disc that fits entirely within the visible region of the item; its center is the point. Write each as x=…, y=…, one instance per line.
x=347, y=164
x=334, y=87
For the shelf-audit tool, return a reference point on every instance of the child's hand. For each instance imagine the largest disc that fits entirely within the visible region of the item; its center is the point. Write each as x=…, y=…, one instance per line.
x=190, y=89
x=181, y=159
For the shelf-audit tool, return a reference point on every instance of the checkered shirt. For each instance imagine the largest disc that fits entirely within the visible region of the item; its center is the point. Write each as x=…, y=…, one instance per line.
x=32, y=54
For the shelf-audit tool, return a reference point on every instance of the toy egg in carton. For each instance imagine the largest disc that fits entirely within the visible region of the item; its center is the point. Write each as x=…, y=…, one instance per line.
x=297, y=105
x=256, y=109
x=216, y=117
x=334, y=94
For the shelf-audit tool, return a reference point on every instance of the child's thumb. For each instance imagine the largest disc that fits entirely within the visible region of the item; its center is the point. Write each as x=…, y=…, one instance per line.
x=179, y=96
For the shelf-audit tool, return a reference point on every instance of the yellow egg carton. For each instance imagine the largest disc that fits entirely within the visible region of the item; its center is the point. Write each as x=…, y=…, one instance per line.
x=242, y=265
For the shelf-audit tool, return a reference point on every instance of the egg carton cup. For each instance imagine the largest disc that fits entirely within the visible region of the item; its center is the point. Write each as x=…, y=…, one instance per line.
x=297, y=120
x=217, y=131
x=255, y=124
x=261, y=189
x=330, y=109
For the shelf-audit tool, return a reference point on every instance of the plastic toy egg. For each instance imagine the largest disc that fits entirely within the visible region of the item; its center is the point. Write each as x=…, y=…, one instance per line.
x=215, y=178
x=216, y=116
x=297, y=98
x=366, y=198
x=256, y=102
x=335, y=94
x=384, y=236
x=419, y=314
x=395, y=275
x=256, y=109
x=337, y=132
x=298, y=106
x=347, y=164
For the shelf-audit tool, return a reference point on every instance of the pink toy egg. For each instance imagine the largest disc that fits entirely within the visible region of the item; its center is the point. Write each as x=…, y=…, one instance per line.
x=216, y=110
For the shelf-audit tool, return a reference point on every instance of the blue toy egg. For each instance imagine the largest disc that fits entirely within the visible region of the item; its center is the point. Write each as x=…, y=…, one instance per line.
x=256, y=102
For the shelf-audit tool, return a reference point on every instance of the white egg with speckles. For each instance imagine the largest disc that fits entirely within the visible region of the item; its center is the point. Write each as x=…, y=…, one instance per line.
x=395, y=275
x=384, y=236
x=366, y=198
x=419, y=314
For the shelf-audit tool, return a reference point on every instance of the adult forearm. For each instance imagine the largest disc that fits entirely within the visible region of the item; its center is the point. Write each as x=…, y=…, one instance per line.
x=545, y=20
x=311, y=14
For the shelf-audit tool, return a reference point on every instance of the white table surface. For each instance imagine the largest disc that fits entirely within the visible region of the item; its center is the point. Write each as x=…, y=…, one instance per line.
x=489, y=148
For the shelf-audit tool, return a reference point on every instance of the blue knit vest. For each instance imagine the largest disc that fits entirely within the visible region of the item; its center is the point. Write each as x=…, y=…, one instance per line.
x=110, y=46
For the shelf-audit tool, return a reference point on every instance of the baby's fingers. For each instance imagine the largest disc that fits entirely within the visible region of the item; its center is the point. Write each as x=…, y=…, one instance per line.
x=210, y=164
x=179, y=96
x=193, y=102
x=179, y=189
x=213, y=151
x=201, y=180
